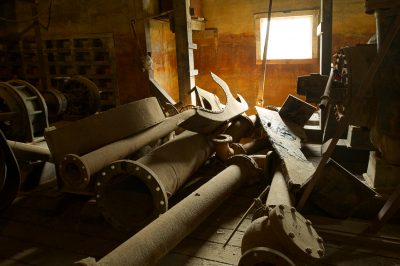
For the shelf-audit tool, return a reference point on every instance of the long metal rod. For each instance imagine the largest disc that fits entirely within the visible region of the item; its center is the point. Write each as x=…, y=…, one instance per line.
x=264, y=61
x=256, y=200
x=96, y=160
x=326, y=97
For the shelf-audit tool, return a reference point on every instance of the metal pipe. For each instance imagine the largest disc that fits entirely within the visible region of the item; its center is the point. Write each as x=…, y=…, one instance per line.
x=77, y=170
x=157, y=239
x=241, y=127
x=278, y=193
x=221, y=145
x=29, y=151
x=327, y=92
x=131, y=194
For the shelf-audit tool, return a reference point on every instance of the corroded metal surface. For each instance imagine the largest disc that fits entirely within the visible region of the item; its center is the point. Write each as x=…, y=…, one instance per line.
x=80, y=169
x=162, y=235
x=23, y=111
x=295, y=167
x=90, y=133
x=133, y=193
x=205, y=121
x=285, y=231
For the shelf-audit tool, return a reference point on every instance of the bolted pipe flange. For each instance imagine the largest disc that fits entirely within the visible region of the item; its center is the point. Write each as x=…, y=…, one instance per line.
x=238, y=148
x=248, y=166
x=130, y=195
x=296, y=233
x=221, y=145
x=74, y=172
x=264, y=256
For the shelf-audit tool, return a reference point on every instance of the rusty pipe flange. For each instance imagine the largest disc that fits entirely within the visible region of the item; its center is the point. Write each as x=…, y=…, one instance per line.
x=296, y=233
x=248, y=166
x=130, y=195
x=264, y=256
x=221, y=145
x=74, y=172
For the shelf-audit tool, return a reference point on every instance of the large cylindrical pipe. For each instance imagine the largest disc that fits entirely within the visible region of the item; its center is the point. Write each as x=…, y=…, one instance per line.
x=278, y=192
x=162, y=235
x=133, y=193
x=241, y=126
x=77, y=170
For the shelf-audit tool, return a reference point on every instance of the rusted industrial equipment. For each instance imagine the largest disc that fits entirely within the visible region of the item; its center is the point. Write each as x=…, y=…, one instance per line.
x=241, y=126
x=125, y=120
x=82, y=168
x=131, y=194
x=206, y=121
x=27, y=151
x=23, y=111
x=56, y=103
x=9, y=174
x=284, y=237
x=82, y=95
x=279, y=235
x=162, y=235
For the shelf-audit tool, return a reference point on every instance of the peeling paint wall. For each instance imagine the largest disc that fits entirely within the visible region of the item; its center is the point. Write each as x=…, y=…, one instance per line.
x=228, y=47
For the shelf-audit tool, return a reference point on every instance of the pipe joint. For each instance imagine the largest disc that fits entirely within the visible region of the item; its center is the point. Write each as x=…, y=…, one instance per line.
x=74, y=172
x=133, y=184
x=249, y=166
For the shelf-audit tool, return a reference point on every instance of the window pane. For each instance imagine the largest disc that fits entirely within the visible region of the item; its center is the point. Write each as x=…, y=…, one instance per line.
x=289, y=37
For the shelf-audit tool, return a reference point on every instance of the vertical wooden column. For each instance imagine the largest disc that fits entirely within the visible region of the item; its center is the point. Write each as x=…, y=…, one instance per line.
x=184, y=50
x=149, y=9
x=326, y=37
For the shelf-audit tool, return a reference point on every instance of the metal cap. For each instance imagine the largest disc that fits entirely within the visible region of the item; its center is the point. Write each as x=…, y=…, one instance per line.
x=296, y=233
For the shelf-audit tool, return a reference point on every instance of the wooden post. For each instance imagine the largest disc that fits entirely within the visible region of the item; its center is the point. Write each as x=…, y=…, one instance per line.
x=184, y=50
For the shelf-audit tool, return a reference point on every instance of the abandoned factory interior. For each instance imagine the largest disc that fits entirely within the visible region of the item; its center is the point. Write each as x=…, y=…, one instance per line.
x=199, y=132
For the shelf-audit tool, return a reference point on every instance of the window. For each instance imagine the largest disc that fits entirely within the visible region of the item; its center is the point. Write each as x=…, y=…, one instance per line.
x=292, y=35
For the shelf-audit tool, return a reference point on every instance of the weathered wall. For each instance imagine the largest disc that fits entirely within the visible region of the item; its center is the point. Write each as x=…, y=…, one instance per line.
x=77, y=18
x=163, y=52
x=229, y=49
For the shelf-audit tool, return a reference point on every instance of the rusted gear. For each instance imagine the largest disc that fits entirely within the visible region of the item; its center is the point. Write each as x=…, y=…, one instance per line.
x=82, y=95
x=23, y=111
x=56, y=103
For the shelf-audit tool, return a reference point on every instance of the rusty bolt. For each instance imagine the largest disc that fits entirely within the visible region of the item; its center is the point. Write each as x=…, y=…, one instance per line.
x=292, y=209
x=308, y=222
x=309, y=250
x=291, y=235
x=280, y=216
x=320, y=252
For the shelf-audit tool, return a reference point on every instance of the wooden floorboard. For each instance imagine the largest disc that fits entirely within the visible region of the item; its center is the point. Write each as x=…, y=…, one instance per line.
x=46, y=227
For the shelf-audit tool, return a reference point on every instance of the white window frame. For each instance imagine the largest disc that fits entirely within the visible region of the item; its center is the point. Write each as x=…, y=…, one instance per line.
x=312, y=12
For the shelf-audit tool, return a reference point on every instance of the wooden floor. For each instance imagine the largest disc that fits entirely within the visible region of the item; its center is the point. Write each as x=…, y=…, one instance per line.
x=46, y=227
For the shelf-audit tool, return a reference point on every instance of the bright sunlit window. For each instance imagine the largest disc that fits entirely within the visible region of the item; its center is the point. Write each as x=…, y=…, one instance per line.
x=290, y=37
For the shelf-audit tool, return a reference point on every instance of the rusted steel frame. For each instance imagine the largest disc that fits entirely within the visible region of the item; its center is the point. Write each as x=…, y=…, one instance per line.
x=83, y=167
x=29, y=151
x=161, y=236
x=125, y=120
x=206, y=121
x=131, y=194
